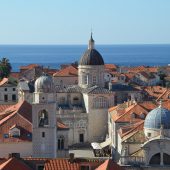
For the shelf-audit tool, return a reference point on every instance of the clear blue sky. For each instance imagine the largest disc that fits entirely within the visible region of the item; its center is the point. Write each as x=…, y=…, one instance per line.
x=70, y=21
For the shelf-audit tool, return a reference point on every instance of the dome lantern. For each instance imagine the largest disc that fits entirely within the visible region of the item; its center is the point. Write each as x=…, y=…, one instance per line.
x=91, y=55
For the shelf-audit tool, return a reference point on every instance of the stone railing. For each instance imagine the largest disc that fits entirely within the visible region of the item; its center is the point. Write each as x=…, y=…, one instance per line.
x=132, y=160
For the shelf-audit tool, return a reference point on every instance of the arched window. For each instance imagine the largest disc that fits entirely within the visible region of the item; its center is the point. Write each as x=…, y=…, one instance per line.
x=43, y=118
x=100, y=102
x=60, y=142
x=155, y=160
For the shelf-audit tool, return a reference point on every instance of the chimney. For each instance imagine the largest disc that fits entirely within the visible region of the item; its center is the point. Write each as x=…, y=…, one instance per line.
x=14, y=155
x=71, y=156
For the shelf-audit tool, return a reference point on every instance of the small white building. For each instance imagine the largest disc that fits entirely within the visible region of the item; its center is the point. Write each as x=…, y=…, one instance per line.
x=8, y=91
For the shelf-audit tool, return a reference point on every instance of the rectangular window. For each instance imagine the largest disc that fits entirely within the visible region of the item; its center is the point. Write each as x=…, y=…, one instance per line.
x=94, y=80
x=149, y=134
x=5, y=97
x=13, y=97
x=85, y=79
x=6, y=136
x=5, y=89
x=81, y=137
x=43, y=134
x=13, y=89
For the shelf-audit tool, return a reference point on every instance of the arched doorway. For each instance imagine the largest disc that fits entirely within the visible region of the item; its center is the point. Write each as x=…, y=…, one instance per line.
x=155, y=160
x=166, y=159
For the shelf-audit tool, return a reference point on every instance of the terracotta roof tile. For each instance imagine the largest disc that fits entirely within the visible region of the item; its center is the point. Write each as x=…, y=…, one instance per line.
x=15, y=75
x=69, y=71
x=21, y=115
x=3, y=107
x=110, y=67
x=109, y=165
x=30, y=66
x=61, y=164
x=23, y=108
x=3, y=81
x=155, y=91
x=126, y=130
x=143, y=68
x=124, y=113
x=14, y=164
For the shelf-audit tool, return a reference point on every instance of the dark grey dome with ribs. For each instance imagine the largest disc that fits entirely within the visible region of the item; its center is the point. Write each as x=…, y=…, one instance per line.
x=91, y=57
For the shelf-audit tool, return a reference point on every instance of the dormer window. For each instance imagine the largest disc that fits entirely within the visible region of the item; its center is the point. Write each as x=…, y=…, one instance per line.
x=142, y=116
x=14, y=131
x=133, y=115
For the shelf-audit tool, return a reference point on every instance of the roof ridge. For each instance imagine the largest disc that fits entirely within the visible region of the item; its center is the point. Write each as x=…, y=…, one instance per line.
x=162, y=94
x=125, y=112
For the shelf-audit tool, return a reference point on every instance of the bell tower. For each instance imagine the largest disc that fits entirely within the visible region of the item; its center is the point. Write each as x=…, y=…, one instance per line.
x=44, y=118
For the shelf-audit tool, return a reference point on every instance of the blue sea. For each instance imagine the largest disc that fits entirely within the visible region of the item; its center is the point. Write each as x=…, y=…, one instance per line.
x=55, y=55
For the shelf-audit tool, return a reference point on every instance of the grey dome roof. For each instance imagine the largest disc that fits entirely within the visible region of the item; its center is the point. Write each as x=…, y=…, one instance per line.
x=44, y=84
x=91, y=57
x=156, y=118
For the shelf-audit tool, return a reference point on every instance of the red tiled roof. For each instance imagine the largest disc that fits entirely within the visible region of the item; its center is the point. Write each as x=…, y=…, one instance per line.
x=109, y=165
x=125, y=130
x=15, y=75
x=20, y=114
x=2, y=160
x=23, y=108
x=14, y=164
x=124, y=114
x=4, y=107
x=50, y=71
x=110, y=67
x=3, y=81
x=30, y=66
x=61, y=164
x=69, y=71
x=155, y=91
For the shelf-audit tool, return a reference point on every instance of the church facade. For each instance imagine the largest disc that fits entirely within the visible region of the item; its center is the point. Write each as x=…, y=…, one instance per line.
x=83, y=107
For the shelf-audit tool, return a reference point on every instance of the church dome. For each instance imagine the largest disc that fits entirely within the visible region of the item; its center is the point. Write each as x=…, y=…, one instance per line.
x=44, y=84
x=156, y=118
x=91, y=55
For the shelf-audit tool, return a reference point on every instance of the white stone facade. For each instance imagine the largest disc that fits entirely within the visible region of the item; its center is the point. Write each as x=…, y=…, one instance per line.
x=91, y=75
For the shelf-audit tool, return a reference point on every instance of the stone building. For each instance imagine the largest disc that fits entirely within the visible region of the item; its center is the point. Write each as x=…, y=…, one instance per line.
x=8, y=91
x=141, y=138
x=80, y=105
x=44, y=118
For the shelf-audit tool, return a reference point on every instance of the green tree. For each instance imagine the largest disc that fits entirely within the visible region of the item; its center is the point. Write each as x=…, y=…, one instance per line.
x=5, y=68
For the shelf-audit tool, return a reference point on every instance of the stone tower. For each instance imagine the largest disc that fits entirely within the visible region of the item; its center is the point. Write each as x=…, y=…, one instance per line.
x=91, y=67
x=44, y=118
